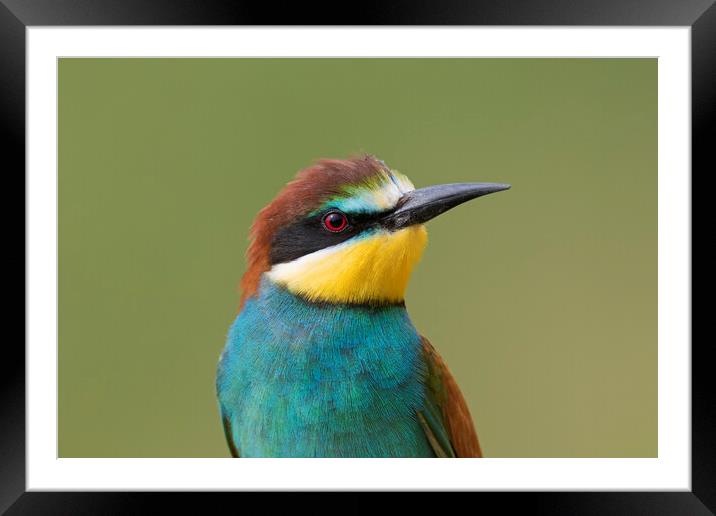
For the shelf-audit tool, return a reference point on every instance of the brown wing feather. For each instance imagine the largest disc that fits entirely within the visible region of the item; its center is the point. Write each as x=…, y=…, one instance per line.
x=455, y=413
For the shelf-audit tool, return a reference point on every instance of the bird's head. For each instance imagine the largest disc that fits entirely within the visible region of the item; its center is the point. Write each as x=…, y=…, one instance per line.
x=348, y=231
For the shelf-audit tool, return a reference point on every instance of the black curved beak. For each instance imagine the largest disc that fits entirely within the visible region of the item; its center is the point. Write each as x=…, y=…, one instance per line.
x=424, y=204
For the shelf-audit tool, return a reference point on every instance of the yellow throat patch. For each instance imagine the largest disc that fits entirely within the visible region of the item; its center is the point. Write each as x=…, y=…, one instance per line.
x=374, y=268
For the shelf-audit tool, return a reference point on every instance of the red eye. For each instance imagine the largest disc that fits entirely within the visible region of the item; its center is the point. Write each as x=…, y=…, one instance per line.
x=335, y=221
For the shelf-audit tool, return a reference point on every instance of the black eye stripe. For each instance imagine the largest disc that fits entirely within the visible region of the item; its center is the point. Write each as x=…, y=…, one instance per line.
x=310, y=235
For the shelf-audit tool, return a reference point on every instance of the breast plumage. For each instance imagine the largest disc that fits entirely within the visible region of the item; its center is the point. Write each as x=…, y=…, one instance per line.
x=301, y=379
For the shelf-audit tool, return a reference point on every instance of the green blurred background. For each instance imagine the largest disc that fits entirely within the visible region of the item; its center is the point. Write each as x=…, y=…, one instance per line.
x=543, y=299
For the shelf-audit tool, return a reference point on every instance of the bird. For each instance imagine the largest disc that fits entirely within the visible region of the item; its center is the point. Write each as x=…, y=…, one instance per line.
x=322, y=359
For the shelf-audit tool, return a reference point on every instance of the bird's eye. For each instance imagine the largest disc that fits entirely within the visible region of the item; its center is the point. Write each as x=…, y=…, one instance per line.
x=335, y=221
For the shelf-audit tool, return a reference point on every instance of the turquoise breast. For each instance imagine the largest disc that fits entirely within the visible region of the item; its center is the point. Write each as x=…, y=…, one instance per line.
x=299, y=379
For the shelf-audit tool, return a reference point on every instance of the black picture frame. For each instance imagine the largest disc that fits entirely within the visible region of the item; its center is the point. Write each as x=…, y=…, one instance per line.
x=17, y=15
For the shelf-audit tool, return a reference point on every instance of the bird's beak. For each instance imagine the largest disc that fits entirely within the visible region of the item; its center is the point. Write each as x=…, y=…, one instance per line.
x=424, y=204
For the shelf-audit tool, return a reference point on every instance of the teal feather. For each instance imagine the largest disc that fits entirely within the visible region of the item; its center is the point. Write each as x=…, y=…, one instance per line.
x=301, y=379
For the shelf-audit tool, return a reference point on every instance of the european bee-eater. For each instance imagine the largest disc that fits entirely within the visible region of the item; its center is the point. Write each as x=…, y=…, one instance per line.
x=322, y=359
